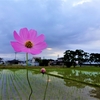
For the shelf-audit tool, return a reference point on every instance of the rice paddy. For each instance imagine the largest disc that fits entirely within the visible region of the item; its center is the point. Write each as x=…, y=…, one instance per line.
x=14, y=85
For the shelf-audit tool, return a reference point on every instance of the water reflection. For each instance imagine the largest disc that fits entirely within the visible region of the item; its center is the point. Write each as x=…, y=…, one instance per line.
x=45, y=87
x=88, y=77
x=95, y=93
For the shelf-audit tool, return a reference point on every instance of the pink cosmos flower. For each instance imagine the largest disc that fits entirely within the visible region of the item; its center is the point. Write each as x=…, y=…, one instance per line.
x=28, y=41
x=43, y=70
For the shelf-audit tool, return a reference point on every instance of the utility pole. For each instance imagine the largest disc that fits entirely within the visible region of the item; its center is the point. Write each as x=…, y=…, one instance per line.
x=58, y=55
x=15, y=55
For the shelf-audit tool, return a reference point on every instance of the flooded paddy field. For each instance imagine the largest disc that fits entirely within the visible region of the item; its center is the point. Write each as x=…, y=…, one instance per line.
x=14, y=86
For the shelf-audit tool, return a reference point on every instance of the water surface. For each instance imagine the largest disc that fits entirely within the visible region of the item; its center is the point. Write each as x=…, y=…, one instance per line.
x=14, y=86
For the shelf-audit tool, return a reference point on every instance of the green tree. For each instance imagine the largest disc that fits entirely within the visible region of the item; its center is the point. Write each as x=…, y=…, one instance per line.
x=69, y=57
x=92, y=58
x=81, y=56
x=95, y=57
x=1, y=59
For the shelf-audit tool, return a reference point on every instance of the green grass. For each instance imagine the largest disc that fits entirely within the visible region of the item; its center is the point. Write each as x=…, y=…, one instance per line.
x=87, y=75
x=54, y=67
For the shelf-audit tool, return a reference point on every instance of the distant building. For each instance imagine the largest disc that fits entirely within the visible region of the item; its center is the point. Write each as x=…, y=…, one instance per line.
x=35, y=61
x=60, y=61
x=14, y=61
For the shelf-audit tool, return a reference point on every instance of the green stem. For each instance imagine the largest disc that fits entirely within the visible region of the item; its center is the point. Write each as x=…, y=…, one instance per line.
x=26, y=59
x=46, y=87
x=28, y=76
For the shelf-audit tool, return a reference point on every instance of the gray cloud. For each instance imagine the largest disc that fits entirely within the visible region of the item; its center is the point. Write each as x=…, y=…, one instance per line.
x=65, y=26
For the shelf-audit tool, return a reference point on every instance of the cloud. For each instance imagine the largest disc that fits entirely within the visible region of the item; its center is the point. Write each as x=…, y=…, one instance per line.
x=49, y=48
x=89, y=41
x=52, y=54
x=66, y=24
x=81, y=2
x=10, y=56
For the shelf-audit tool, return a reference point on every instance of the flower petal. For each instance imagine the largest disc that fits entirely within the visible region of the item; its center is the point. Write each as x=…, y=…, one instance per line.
x=18, y=47
x=40, y=46
x=24, y=34
x=17, y=37
x=33, y=34
x=39, y=39
x=21, y=48
x=35, y=51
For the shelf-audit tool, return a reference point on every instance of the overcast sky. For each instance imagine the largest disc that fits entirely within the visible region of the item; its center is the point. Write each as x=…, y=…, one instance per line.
x=66, y=24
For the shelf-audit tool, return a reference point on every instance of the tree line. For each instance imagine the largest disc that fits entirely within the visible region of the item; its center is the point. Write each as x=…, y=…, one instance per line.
x=80, y=56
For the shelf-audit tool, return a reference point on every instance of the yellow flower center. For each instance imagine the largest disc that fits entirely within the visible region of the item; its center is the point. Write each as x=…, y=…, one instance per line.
x=29, y=44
